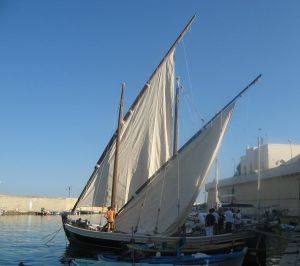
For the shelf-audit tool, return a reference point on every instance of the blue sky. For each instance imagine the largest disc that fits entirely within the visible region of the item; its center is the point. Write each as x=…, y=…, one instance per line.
x=62, y=64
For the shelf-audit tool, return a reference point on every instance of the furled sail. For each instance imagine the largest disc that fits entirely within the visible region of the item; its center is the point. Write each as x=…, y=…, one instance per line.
x=145, y=142
x=162, y=204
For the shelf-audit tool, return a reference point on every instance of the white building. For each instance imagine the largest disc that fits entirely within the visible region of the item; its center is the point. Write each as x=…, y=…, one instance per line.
x=271, y=155
x=279, y=180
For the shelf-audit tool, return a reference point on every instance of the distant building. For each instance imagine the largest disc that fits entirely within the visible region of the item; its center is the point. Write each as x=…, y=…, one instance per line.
x=279, y=175
x=271, y=155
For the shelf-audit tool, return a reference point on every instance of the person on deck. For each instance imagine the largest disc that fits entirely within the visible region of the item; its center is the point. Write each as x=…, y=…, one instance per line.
x=216, y=215
x=228, y=220
x=201, y=219
x=238, y=219
x=209, y=223
x=110, y=216
x=221, y=221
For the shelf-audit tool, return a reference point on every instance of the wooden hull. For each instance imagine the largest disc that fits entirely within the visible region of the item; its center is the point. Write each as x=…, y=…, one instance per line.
x=118, y=241
x=227, y=259
x=83, y=262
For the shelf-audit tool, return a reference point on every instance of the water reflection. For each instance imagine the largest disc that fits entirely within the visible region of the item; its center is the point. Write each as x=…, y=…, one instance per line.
x=23, y=238
x=29, y=220
x=77, y=252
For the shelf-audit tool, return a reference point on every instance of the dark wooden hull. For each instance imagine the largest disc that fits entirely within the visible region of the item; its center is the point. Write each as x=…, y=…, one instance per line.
x=117, y=242
x=94, y=243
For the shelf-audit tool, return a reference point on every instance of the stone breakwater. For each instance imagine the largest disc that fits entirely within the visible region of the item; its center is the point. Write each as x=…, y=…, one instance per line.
x=30, y=204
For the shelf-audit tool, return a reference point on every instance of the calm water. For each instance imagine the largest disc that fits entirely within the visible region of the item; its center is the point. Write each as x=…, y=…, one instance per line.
x=40, y=240
x=34, y=240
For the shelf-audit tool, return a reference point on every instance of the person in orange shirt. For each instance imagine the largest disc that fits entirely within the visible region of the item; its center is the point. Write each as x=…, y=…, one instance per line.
x=110, y=216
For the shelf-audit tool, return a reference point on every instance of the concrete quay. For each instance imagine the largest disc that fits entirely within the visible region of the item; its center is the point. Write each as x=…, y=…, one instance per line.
x=291, y=255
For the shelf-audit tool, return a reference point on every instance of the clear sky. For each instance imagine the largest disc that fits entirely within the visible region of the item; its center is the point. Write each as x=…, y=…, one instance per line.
x=62, y=64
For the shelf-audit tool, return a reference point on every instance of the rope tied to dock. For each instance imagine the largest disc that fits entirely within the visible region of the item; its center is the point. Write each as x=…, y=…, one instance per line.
x=52, y=235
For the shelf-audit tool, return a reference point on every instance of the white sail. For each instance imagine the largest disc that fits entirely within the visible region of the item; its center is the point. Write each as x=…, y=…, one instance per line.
x=145, y=142
x=162, y=205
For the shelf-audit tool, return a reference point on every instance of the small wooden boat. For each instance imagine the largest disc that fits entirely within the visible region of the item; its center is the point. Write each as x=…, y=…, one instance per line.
x=233, y=259
x=85, y=262
x=224, y=259
x=43, y=212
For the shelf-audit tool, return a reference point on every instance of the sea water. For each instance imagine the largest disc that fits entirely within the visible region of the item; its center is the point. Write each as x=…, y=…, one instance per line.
x=35, y=240
x=40, y=240
x=24, y=238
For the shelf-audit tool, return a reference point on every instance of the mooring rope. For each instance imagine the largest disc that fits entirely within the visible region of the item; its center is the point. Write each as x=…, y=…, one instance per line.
x=54, y=234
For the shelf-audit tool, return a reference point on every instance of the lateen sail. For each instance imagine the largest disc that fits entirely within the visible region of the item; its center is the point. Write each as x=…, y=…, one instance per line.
x=155, y=191
x=145, y=143
x=163, y=203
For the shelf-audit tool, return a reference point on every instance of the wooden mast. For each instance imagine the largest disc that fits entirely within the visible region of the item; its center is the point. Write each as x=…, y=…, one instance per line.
x=175, y=140
x=175, y=144
x=115, y=172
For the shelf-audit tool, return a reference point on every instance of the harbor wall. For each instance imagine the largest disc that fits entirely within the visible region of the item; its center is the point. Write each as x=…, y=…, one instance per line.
x=12, y=203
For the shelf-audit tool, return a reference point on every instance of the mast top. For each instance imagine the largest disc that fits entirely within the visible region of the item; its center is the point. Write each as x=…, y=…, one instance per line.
x=187, y=27
x=178, y=39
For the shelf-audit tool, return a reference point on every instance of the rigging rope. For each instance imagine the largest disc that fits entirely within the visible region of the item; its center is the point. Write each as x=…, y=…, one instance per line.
x=187, y=67
x=192, y=104
x=141, y=210
x=160, y=200
x=178, y=190
x=193, y=109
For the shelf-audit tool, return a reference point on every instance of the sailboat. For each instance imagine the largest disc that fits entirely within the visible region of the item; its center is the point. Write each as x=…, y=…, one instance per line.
x=143, y=175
